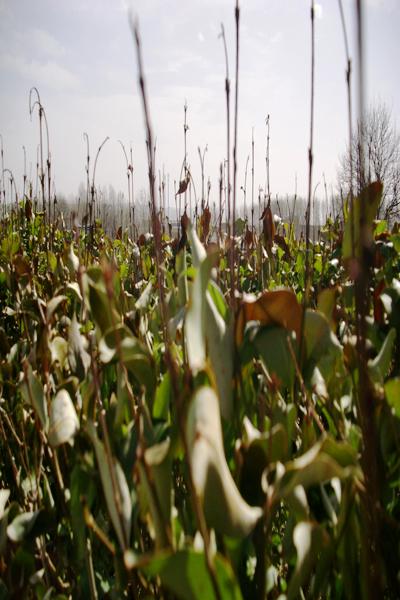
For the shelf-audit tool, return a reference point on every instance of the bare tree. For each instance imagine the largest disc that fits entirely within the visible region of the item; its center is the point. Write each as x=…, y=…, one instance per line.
x=378, y=137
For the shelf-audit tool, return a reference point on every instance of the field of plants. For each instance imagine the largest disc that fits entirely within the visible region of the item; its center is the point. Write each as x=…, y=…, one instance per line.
x=208, y=415
x=162, y=437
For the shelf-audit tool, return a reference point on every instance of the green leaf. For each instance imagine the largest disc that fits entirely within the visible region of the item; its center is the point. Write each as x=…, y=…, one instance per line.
x=323, y=351
x=272, y=345
x=64, y=422
x=240, y=225
x=78, y=357
x=181, y=271
x=392, y=393
x=273, y=442
x=74, y=287
x=224, y=508
x=319, y=337
x=370, y=199
x=81, y=486
x=325, y=460
x=218, y=299
x=220, y=345
x=103, y=311
x=199, y=253
x=162, y=398
x=133, y=354
x=195, y=321
x=59, y=349
x=185, y=574
x=20, y=527
x=32, y=392
x=111, y=471
x=52, y=306
x=4, y=495
x=379, y=367
x=145, y=297
x=327, y=304
x=73, y=260
x=309, y=538
x=158, y=459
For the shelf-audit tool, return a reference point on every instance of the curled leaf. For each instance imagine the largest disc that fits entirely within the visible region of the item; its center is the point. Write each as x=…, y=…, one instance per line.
x=224, y=507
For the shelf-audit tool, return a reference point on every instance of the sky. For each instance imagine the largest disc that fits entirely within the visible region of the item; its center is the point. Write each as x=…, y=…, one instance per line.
x=81, y=56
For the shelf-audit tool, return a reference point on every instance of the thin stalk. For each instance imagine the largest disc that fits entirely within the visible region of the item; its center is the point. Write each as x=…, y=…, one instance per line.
x=24, y=176
x=221, y=185
x=366, y=396
x=232, y=255
x=202, y=157
x=168, y=356
x=132, y=196
x=2, y=188
x=90, y=570
x=244, y=188
x=267, y=161
x=349, y=114
x=310, y=167
x=48, y=164
x=128, y=174
x=40, y=108
x=185, y=129
x=252, y=180
x=87, y=169
x=150, y=160
x=93, y=188
x=228, y=152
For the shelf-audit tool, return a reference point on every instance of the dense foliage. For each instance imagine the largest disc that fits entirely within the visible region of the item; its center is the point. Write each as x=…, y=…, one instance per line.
x=161, y=436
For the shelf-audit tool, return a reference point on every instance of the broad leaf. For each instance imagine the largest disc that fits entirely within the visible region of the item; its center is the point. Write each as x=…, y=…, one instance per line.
x=277, y=307
x=185, y=574
x=64, y=422
x=224, y=508
x=20, y=527
x=392, y=393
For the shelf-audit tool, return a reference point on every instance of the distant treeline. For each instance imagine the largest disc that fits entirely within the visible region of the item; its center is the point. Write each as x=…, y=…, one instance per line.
x=115, y=213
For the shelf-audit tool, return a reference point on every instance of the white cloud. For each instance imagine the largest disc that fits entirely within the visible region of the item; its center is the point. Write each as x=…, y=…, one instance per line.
x=49, y=73
x=276, y=38
x=176, y=65
x=44, y=43
x=4, y=9
x=200, y=37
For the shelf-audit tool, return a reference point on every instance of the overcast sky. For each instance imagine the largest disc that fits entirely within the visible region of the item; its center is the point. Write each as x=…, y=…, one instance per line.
x=80, y=55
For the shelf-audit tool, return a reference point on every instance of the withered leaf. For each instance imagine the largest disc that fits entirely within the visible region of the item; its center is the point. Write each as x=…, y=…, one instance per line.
x=276, y=307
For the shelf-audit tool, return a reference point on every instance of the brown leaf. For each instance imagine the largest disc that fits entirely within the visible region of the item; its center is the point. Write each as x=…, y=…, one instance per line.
x=183, y=184
x=28, y=210
x=205, y=220
x=249, y=238
x=185, y=221
x=268, y=227
x=378, y=306
x=21, y=265
x=276, y=307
